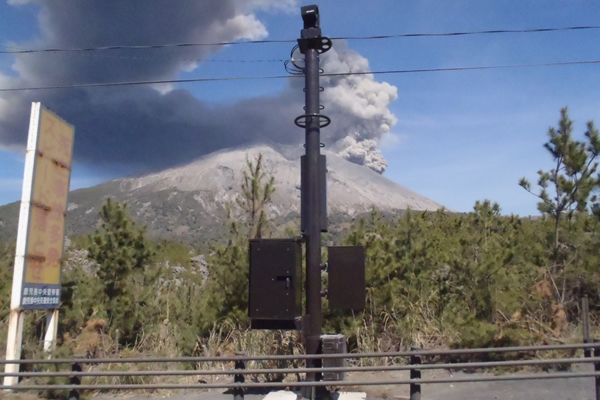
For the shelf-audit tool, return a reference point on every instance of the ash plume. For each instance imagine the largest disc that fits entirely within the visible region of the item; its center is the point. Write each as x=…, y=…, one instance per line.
x=143, y=128
x=358, y=106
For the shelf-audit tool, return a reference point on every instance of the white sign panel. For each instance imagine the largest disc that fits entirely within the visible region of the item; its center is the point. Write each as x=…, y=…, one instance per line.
x=40, y=240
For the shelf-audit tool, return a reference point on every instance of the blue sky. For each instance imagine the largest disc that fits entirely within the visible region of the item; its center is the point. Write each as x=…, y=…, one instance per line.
x=460, y=136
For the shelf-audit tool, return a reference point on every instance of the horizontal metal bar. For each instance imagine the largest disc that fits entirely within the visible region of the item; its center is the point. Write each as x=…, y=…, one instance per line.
x=375, y=368
x=305, y=356
x=490, y=378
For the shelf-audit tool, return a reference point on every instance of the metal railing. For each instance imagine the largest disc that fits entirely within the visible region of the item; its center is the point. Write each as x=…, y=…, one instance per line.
x=415, y=366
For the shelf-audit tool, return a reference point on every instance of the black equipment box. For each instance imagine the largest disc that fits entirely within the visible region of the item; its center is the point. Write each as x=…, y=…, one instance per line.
x=275, y=298
x=346, y=267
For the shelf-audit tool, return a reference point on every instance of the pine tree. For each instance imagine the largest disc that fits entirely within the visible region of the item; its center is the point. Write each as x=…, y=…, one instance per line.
x=119, y=249
x=485, y=212
x=573, y=179
x=122, y=253
x=255, y=196
x=565, y=193
x=226, y=291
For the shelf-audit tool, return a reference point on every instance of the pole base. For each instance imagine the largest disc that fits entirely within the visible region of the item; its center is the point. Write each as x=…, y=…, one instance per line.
x=315, y=393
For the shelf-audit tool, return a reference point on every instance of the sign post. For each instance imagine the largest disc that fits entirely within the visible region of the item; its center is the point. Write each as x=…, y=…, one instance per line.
x=40, y=237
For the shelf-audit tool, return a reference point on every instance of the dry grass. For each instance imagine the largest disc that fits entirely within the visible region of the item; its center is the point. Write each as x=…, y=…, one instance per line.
x=420, y=329
x=417, y=327
x=227, y=339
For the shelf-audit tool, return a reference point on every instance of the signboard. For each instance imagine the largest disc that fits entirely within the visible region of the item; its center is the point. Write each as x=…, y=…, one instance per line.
x=40, y=238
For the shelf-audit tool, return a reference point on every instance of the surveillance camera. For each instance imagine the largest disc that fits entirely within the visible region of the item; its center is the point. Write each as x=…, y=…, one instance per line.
x=310, y=16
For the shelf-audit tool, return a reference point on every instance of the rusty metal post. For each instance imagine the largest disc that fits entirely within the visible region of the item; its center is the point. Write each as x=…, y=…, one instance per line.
x=238, y=393
x=415, y=388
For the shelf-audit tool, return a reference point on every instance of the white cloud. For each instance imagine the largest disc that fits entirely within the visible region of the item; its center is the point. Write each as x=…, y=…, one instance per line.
x=286, y=6
x=163, y=88
x=18, y=2
x=242, y=27
x=391, y=140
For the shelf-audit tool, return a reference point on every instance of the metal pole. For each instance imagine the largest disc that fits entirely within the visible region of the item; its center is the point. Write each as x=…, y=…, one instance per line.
x=13, y=345
x=310, y=43
x=51, y=331
x=313, y=228
x=415, y=389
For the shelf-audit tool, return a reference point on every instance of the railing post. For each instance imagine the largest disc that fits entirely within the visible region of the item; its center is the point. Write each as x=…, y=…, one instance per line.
x=415, y=388
x=597, y=369
x=238, y=393
x=585, y=322
x=75, y=380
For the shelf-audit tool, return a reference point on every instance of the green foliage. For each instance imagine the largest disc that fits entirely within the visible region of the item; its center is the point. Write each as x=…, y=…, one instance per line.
x=437, y=279
x=122, y=255
x=120, y=249
x=225, y=293
x=482, y=279
x=174, y=253
x=568, y=186
x=565, y=193
x=434, y=279
x=159, y=313
x=7, y=257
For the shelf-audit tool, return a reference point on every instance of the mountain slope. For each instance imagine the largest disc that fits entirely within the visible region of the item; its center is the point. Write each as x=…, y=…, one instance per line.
x=188, y=202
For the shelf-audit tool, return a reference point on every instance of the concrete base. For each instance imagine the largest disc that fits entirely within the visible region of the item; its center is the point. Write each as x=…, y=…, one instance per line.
x=349, y=396
x=281, y=395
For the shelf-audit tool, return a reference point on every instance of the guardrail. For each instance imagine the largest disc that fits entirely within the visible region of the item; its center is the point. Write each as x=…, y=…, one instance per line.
x=415, y=366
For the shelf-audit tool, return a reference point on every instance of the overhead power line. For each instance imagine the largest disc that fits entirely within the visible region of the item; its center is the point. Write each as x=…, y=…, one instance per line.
x=199, y=60
x=486, y=32
x=17, y=50
x=341, y=74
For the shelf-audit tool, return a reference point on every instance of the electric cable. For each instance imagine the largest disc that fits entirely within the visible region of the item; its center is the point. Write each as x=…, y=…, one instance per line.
x=200, y=60
x=466, y=33
x=340, y=74
x=377, y=37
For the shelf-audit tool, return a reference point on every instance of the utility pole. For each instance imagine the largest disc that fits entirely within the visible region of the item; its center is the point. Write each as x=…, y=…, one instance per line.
x=275, y=261
x=311, y=44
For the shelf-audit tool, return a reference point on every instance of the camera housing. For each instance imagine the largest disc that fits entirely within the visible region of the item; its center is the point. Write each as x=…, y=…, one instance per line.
x=312, y=24
x=310, y=16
